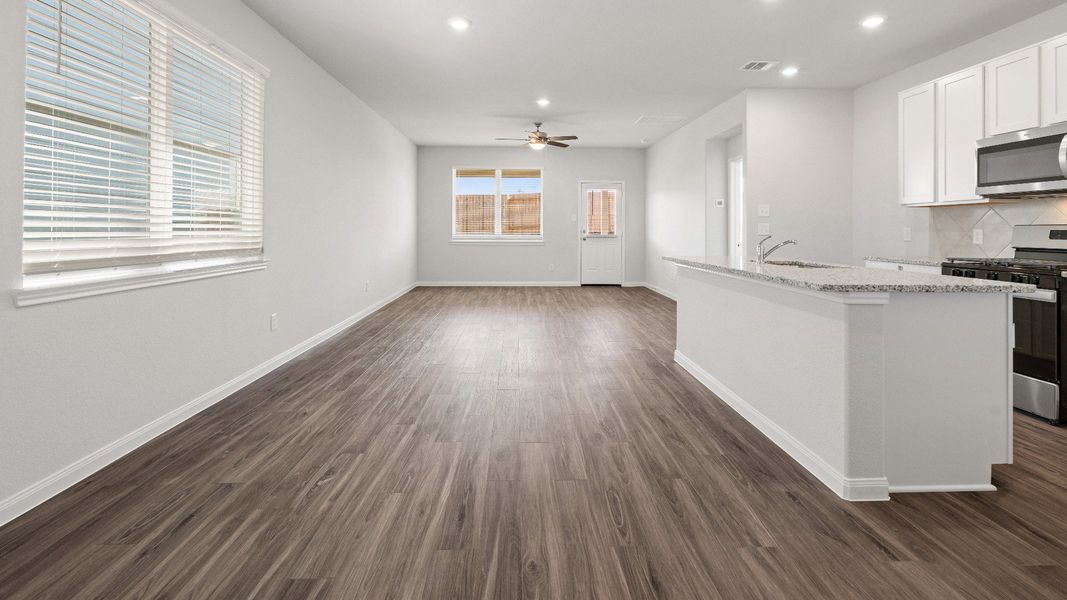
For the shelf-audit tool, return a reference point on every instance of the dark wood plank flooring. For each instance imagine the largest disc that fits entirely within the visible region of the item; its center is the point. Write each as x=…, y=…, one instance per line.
x=517, y=443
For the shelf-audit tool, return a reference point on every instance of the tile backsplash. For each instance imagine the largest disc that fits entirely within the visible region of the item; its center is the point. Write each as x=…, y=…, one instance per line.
x=951, y=226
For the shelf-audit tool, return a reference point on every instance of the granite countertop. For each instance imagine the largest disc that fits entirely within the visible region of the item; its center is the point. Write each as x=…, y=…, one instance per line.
x=928, y=261
x=825, y=277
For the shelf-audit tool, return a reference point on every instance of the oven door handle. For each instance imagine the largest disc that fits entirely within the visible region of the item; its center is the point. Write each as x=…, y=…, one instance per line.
x=1038, y=296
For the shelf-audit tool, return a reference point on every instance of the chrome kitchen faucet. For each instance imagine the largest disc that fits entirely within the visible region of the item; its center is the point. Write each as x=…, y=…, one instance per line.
x=762, y=255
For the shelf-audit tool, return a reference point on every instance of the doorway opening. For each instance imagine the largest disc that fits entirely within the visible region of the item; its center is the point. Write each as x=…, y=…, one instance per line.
x=736, y=209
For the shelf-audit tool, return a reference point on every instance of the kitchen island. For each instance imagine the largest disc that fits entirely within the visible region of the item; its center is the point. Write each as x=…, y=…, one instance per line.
x=875, y=381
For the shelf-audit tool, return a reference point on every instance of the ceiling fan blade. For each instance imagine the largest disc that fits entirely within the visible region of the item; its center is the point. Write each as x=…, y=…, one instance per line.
x=563, y=137
x=557, y=144
x=512, y=139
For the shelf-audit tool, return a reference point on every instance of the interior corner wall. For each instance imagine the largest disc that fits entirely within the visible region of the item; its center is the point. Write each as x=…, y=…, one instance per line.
x=675, y=168
x=340, y=183
x=797, y=147
x=554, y=262
x=878, y=218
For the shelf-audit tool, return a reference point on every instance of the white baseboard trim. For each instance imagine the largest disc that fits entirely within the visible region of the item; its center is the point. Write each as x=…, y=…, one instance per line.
x=921, y=489
x=498, y=284
x=25, y=500
x=661, y=291
x=853, y=489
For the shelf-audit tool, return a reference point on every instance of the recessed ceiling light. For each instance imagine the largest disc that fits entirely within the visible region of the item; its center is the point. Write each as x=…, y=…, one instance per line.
x=790, y=71
x=543, y=102
x=873, y=22
x=459, y=23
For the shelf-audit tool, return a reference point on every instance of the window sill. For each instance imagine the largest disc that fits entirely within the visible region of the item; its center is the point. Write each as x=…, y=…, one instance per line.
x=505, y=241
x=70, y=290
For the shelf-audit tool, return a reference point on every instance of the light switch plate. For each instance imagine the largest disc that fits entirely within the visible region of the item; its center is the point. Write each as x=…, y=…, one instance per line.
x=907, y=234
x=977, y=236
x=763, y=228
x=764, y=210
x=720, y=202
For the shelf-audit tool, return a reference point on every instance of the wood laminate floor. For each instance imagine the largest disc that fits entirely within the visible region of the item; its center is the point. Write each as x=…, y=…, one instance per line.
x=517, y=443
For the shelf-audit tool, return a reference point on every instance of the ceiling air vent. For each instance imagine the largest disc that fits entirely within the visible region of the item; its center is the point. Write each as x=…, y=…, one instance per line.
x=759, y=65
x=660, y=119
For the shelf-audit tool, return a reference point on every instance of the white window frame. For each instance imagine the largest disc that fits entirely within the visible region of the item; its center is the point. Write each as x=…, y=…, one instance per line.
x=68, y=285
x=498, y=237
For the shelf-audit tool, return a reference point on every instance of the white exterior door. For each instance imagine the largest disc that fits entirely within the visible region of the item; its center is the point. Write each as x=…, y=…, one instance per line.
x=601, y=241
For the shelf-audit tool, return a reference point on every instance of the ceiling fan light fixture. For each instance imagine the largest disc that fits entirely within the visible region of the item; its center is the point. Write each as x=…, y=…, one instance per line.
x=537, y=145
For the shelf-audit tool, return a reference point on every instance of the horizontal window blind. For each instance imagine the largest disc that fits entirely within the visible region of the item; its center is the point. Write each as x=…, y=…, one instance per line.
x=143, y=142
x=520, y=191
x=475, y=202
x=497, y=202
x=600, y=215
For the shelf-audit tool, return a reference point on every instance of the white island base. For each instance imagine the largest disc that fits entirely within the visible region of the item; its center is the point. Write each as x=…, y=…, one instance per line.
x=873, y=392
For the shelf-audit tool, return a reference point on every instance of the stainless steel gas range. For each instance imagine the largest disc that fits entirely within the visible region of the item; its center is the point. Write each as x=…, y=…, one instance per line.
x=1040, y=346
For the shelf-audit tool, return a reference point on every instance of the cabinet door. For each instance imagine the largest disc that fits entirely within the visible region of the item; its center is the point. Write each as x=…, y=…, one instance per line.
x=915, y=139
x=959, y=127
x=1013, y=92
x=1054, y=81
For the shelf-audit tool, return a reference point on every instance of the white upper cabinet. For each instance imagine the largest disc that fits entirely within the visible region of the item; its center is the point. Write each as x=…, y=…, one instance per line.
x=959, y=127
x=916, y=140
x=1013, y=92
x=1054, y=81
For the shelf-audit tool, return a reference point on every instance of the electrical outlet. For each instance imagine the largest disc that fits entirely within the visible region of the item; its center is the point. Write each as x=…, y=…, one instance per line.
x=366, y=286
x=551, y=266
x=977, y=236
x=907, y=234
x=274, y=321
x=764, y=210
x=763, y=228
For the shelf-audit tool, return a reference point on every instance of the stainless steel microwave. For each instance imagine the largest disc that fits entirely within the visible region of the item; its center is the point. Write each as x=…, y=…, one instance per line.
x=1024, y=163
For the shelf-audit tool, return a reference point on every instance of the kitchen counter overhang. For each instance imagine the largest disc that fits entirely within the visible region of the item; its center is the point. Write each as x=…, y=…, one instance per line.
x=828, y=277
x=875, y=381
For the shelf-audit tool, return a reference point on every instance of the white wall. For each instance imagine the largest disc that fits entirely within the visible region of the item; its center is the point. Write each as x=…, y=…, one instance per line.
x=797, y=146
x=440, y=260
x=716, y=176
x=340, y=210
x=676, y=222
x=878, y=219
x=798, y=151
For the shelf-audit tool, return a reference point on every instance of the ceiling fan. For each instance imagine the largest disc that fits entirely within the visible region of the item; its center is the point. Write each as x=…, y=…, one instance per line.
x=538, y=139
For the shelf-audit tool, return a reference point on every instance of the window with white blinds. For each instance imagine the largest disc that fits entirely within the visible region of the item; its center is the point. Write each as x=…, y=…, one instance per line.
x=144, y=143
x=496, y=204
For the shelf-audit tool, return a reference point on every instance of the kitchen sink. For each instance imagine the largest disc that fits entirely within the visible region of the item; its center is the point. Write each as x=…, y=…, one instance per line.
x=800, y=264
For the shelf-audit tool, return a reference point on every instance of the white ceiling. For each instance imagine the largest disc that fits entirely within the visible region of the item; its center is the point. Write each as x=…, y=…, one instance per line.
x=604, y=63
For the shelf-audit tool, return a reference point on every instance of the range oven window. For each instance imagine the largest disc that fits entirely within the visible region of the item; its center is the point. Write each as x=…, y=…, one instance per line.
x=1036, y=332
x=1020, y=162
